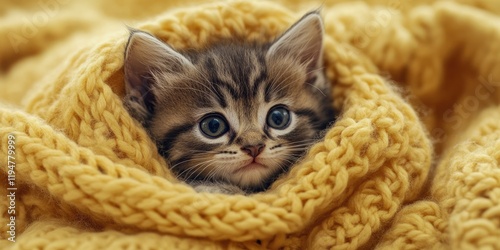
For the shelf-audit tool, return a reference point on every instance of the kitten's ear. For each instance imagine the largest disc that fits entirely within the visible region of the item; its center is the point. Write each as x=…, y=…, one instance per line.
x=144, y=56
x=303, y=41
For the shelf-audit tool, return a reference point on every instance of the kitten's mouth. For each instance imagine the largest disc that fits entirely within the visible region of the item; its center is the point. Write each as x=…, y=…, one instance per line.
x=251, y=166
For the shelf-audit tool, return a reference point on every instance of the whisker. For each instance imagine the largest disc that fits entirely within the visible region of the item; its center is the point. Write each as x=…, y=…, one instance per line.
x=190, y=169
x=207, y=165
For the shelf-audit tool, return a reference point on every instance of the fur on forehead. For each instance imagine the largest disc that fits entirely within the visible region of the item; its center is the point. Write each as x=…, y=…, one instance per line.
x=148, y=61
x=162, y=81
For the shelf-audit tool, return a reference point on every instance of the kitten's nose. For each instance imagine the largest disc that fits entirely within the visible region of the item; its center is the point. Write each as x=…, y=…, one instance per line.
x=253, y=150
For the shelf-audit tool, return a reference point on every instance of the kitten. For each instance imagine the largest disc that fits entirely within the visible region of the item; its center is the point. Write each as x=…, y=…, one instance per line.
x=232, y=117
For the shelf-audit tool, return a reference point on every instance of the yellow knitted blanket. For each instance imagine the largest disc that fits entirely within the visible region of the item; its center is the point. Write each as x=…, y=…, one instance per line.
x=411, y=163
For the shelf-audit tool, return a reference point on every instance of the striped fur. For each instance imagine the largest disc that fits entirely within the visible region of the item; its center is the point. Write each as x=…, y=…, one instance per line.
x=171, y=92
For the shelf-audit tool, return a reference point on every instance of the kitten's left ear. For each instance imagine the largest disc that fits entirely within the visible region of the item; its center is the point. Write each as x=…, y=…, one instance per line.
x=145, y=55
x=304, y=42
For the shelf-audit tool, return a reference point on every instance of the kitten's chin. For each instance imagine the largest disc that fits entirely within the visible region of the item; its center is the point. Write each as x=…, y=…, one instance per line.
x=250, y=167
x=252, y=175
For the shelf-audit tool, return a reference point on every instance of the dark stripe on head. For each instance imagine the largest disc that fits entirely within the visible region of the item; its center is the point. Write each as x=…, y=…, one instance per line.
x=216, y=81
x=263, y=73
x=258, y=81
x=241, y=75
x=267, y=93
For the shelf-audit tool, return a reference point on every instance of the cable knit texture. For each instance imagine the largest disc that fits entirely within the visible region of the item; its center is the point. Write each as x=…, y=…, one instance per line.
x=411, y=163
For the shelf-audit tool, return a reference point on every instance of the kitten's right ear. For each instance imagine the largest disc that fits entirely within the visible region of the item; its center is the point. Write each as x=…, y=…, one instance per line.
x=304, y=42
x=145, y=55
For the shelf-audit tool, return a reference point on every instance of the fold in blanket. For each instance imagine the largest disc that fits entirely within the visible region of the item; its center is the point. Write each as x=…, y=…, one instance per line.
x=85, y=174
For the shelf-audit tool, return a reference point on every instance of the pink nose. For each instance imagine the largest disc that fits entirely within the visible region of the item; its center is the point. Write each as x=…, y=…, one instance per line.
x=253, y=150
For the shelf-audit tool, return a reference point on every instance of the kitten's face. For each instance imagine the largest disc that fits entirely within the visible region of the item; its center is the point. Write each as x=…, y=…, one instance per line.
x=235, y=113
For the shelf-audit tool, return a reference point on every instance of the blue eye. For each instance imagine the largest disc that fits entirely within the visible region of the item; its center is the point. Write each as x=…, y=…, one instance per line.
x=213, y=126
x=278, y=118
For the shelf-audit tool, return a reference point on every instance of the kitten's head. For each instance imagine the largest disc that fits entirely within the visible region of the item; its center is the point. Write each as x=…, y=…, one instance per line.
x=234, y=113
